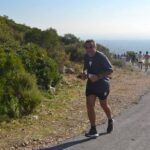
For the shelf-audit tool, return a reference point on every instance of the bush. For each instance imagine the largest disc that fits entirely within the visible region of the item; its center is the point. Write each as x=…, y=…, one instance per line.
x=69, y=39
x=76, y=52
x=48, y=39
x=118, y=63
x=104, y=50
x=19, y=94
x=60, y=57
x=37, y=62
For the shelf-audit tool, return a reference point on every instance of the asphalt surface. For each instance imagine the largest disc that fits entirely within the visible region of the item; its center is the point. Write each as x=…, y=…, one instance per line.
x=131, y=132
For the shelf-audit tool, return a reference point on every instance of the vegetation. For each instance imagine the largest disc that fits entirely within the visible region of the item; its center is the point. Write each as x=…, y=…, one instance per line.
x=31, y=61
x=37, y=62
x=118, y=63
x=19, y=94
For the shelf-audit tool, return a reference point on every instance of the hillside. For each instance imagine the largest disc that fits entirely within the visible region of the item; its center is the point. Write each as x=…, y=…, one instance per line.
x=32, y=59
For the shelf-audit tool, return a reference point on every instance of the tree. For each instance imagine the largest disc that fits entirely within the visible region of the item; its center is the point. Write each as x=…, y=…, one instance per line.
x=105, y=50
x=49, y=39
x=131, y=55
x=33, y=36
x=69, y=39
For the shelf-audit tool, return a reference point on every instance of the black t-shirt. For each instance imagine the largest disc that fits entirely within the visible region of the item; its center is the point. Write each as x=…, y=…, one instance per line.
x=97, y=64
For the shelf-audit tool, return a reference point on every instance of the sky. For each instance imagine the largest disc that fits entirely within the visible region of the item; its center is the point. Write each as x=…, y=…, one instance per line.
x=99, y=19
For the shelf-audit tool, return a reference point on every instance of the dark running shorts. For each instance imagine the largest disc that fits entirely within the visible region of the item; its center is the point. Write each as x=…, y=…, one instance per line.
x=102, y=94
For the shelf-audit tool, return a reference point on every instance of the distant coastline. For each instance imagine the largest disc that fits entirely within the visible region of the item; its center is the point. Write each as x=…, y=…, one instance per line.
x=121, y=46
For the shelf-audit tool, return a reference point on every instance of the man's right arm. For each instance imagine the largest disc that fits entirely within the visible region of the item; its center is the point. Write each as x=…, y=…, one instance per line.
x=83, y=75
x=84, y=68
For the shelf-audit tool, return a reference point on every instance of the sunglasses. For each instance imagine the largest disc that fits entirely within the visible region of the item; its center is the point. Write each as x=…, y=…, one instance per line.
x=88, y=47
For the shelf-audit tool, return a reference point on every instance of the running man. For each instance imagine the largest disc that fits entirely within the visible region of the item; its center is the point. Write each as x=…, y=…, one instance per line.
x=96, y=70
x=146, y=61
x=140, y=60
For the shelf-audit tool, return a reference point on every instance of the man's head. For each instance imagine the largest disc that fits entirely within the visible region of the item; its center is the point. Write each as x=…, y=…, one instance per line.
x=90, y=47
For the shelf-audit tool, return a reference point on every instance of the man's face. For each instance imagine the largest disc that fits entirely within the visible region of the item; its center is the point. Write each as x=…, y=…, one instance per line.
x=90, y=48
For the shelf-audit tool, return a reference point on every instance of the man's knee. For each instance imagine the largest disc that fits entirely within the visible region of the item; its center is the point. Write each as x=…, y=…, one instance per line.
x=90, y=106
x=104, y=105
x=90, y=103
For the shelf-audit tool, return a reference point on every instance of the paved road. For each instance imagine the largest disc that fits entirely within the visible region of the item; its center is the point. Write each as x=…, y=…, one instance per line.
x=132, y=132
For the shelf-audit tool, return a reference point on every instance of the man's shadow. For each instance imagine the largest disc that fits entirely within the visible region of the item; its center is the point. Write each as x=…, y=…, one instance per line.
x=71, y=143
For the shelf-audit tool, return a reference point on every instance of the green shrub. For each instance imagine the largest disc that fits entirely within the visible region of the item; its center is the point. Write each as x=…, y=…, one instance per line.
x=118, y=63
x=60, y=57
x=76, y=52
x=37, y=62
x=19, y=94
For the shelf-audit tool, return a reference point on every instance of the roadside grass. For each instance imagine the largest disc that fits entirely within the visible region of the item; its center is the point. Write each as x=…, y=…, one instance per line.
x=44, y=120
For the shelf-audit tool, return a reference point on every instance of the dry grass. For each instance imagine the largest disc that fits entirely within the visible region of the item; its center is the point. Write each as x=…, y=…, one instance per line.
x=64, y=115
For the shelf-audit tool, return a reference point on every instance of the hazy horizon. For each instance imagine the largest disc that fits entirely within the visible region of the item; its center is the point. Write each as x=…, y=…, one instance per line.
x=97, y=19
x=122, y=46
x=118, y=25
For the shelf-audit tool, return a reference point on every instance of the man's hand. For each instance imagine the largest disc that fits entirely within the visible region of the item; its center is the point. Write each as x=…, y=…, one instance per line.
x=93, y=77
x=82, y=76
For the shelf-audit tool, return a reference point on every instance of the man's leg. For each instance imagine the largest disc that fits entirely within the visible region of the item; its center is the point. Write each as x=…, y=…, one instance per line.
x=107, y=110
x=141, y=66
x=90, y=104
x=146, y=67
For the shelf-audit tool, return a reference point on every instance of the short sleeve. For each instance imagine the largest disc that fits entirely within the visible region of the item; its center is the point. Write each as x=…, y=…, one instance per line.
x=106, y=64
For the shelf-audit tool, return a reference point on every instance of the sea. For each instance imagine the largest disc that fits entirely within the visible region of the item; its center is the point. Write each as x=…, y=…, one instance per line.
x=122, y=46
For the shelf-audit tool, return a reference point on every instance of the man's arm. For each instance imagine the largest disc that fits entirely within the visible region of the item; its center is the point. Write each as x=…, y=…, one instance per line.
x=107, y=69
x=83, y=75
x=105, y=74
x=94, y=78
x=84, y=68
